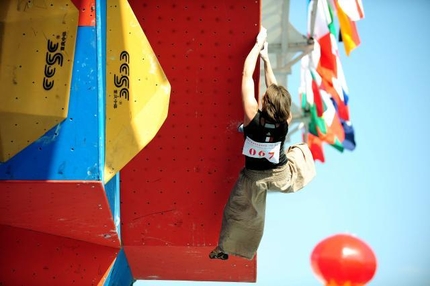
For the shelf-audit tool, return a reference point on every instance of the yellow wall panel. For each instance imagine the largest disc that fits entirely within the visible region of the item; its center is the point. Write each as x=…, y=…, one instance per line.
x=138, y=92
x=37, y=44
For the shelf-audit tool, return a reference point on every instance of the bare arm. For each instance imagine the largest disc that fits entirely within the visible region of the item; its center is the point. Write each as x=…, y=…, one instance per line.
x=269, y=76
x=250, y=105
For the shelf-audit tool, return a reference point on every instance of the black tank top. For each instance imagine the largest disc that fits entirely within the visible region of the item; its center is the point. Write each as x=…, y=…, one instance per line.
x=262, y=131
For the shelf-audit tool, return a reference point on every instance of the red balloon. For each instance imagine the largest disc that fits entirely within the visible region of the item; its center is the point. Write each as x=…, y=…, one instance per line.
x=343, y=258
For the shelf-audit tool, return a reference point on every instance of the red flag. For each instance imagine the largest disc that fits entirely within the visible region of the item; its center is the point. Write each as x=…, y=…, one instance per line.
x=315, y=145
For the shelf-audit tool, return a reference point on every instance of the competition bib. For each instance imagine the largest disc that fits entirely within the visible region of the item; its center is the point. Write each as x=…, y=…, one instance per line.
x=270, y=151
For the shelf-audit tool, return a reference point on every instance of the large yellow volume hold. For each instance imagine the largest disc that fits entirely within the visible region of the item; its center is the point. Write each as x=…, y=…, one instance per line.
x=137, y=90
x=37, y=45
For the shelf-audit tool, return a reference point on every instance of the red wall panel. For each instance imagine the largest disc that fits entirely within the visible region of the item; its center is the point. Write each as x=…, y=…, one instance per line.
x=174, y=191
x=34, y=258
x=73, y=209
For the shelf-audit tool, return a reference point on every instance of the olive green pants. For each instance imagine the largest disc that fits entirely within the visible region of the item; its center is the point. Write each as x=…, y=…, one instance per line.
x=244, y=214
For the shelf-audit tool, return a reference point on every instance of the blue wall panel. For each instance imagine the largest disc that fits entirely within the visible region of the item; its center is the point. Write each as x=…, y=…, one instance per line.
x=120, y=274
x=112, y=189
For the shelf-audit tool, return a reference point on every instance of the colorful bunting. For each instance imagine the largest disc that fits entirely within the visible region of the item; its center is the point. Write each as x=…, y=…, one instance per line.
x=323, y=89
x=324, y=34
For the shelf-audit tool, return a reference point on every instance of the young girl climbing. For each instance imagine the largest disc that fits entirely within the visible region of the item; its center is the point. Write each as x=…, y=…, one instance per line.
x=268, y=166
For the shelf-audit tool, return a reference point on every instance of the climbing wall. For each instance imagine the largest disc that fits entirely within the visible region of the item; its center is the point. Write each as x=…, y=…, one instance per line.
x=154, y=92
x=173, y=192
x=69, y=150
x=59, y=221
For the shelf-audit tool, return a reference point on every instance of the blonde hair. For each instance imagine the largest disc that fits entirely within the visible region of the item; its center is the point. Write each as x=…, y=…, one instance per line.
x=276, y=105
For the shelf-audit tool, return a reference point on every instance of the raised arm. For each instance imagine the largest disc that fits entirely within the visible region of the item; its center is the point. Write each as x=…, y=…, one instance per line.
x=269, y=76
x=250, y=105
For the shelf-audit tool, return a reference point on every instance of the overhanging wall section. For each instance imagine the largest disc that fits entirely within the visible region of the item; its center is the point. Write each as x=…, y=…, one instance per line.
x=173, y=192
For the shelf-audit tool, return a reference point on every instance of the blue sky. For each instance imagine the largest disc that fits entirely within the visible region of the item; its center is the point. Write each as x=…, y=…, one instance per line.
x=378, y=192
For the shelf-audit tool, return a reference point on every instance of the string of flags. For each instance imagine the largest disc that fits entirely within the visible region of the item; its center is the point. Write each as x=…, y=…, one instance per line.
x=323, y=90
